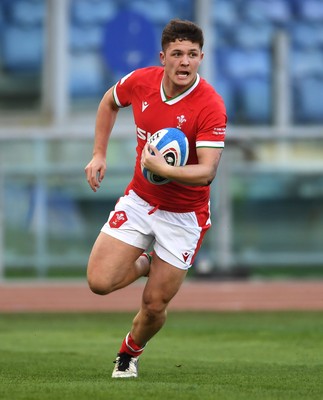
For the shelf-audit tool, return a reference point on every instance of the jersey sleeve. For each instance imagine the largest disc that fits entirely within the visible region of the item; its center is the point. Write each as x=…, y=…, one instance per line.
x=122, y=91
x=212, y=124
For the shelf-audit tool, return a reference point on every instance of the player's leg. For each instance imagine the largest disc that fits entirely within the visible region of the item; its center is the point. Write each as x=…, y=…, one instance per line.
x=114, y=264
x=115, y=260
x=163, y=283
x=178, y=239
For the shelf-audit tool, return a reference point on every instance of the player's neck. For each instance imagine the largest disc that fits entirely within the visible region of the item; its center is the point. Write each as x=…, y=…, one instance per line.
x=171, y=90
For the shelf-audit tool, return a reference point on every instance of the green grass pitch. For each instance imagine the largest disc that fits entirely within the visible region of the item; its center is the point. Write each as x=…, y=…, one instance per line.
x=226, y=356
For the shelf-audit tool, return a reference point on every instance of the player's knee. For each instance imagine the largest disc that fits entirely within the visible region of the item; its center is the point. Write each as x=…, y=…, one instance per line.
x=97, y=286
x=154, y=309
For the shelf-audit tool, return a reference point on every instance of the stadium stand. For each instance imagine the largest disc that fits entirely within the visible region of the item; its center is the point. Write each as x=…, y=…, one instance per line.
x=243, y=33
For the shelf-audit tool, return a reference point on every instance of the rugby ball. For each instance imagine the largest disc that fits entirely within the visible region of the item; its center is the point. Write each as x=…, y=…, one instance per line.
x=173, y=145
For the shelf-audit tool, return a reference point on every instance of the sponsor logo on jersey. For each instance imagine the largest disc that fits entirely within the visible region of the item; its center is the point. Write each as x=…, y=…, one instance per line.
x=142, y=134
x=117, y=219
x=144, y=106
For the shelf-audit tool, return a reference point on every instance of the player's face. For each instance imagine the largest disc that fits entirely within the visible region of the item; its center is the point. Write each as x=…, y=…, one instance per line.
x=181, y=60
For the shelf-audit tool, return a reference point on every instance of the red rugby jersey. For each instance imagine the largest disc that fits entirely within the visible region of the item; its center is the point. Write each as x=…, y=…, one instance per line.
x=199, y=112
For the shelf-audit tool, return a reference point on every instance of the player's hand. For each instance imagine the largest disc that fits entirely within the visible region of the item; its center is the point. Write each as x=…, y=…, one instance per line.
x=153, y=160
x=95, y=171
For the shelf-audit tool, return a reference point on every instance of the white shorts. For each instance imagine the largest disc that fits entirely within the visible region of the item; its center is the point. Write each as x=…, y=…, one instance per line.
x=176, y=237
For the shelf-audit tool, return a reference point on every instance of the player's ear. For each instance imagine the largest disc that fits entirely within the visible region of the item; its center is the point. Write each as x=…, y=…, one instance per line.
x=162, y=58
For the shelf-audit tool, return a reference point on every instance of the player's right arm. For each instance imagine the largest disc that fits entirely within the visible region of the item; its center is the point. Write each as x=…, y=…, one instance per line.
x=105, y=120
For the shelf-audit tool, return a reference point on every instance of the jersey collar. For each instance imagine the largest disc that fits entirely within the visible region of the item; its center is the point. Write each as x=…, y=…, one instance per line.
x=181, y=96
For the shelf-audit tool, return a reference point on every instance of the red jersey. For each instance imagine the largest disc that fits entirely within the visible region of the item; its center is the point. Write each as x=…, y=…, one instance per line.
x=199, y=112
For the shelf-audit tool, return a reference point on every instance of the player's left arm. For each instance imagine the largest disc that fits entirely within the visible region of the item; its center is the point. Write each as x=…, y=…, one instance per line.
x=210, y=138
x=200, y=174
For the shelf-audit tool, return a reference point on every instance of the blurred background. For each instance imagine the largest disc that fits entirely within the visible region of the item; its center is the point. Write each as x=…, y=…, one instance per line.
x=57, y=59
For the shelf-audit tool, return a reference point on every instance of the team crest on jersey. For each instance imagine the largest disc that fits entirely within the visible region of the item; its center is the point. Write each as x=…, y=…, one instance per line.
x=181, y=119
x=117, y=219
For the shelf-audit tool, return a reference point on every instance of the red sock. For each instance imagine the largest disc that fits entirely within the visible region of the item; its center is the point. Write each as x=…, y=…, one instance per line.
x=130, y=347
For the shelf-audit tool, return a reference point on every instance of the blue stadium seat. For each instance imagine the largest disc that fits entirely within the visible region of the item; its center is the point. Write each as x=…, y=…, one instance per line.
x=87, y=75
x=307, y=34
x=256, y=100
x=311, y=9
x=183, y=8
x=241, y=63
x=92, y=11
x=225, y=13
x=27, y=12
x=309, y=100
x=224, y=36
x=306, y=62
x=156, y=11
x=253, y=35
x=22, y=48
x=85, y=38
x=275, y=11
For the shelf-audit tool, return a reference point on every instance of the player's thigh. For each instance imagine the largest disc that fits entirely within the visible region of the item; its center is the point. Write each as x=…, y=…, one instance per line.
x=111, y=258
x=179, y=235
x=163, y=283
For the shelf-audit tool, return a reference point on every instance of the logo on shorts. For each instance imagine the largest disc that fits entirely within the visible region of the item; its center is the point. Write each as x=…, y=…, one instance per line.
x=118, y=218
x=186, y=255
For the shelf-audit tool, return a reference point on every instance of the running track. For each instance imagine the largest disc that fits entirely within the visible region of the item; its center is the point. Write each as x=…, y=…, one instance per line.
x=193, y=296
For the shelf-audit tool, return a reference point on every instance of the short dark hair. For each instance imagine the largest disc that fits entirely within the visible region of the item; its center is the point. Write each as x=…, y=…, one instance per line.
x=182, y=30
